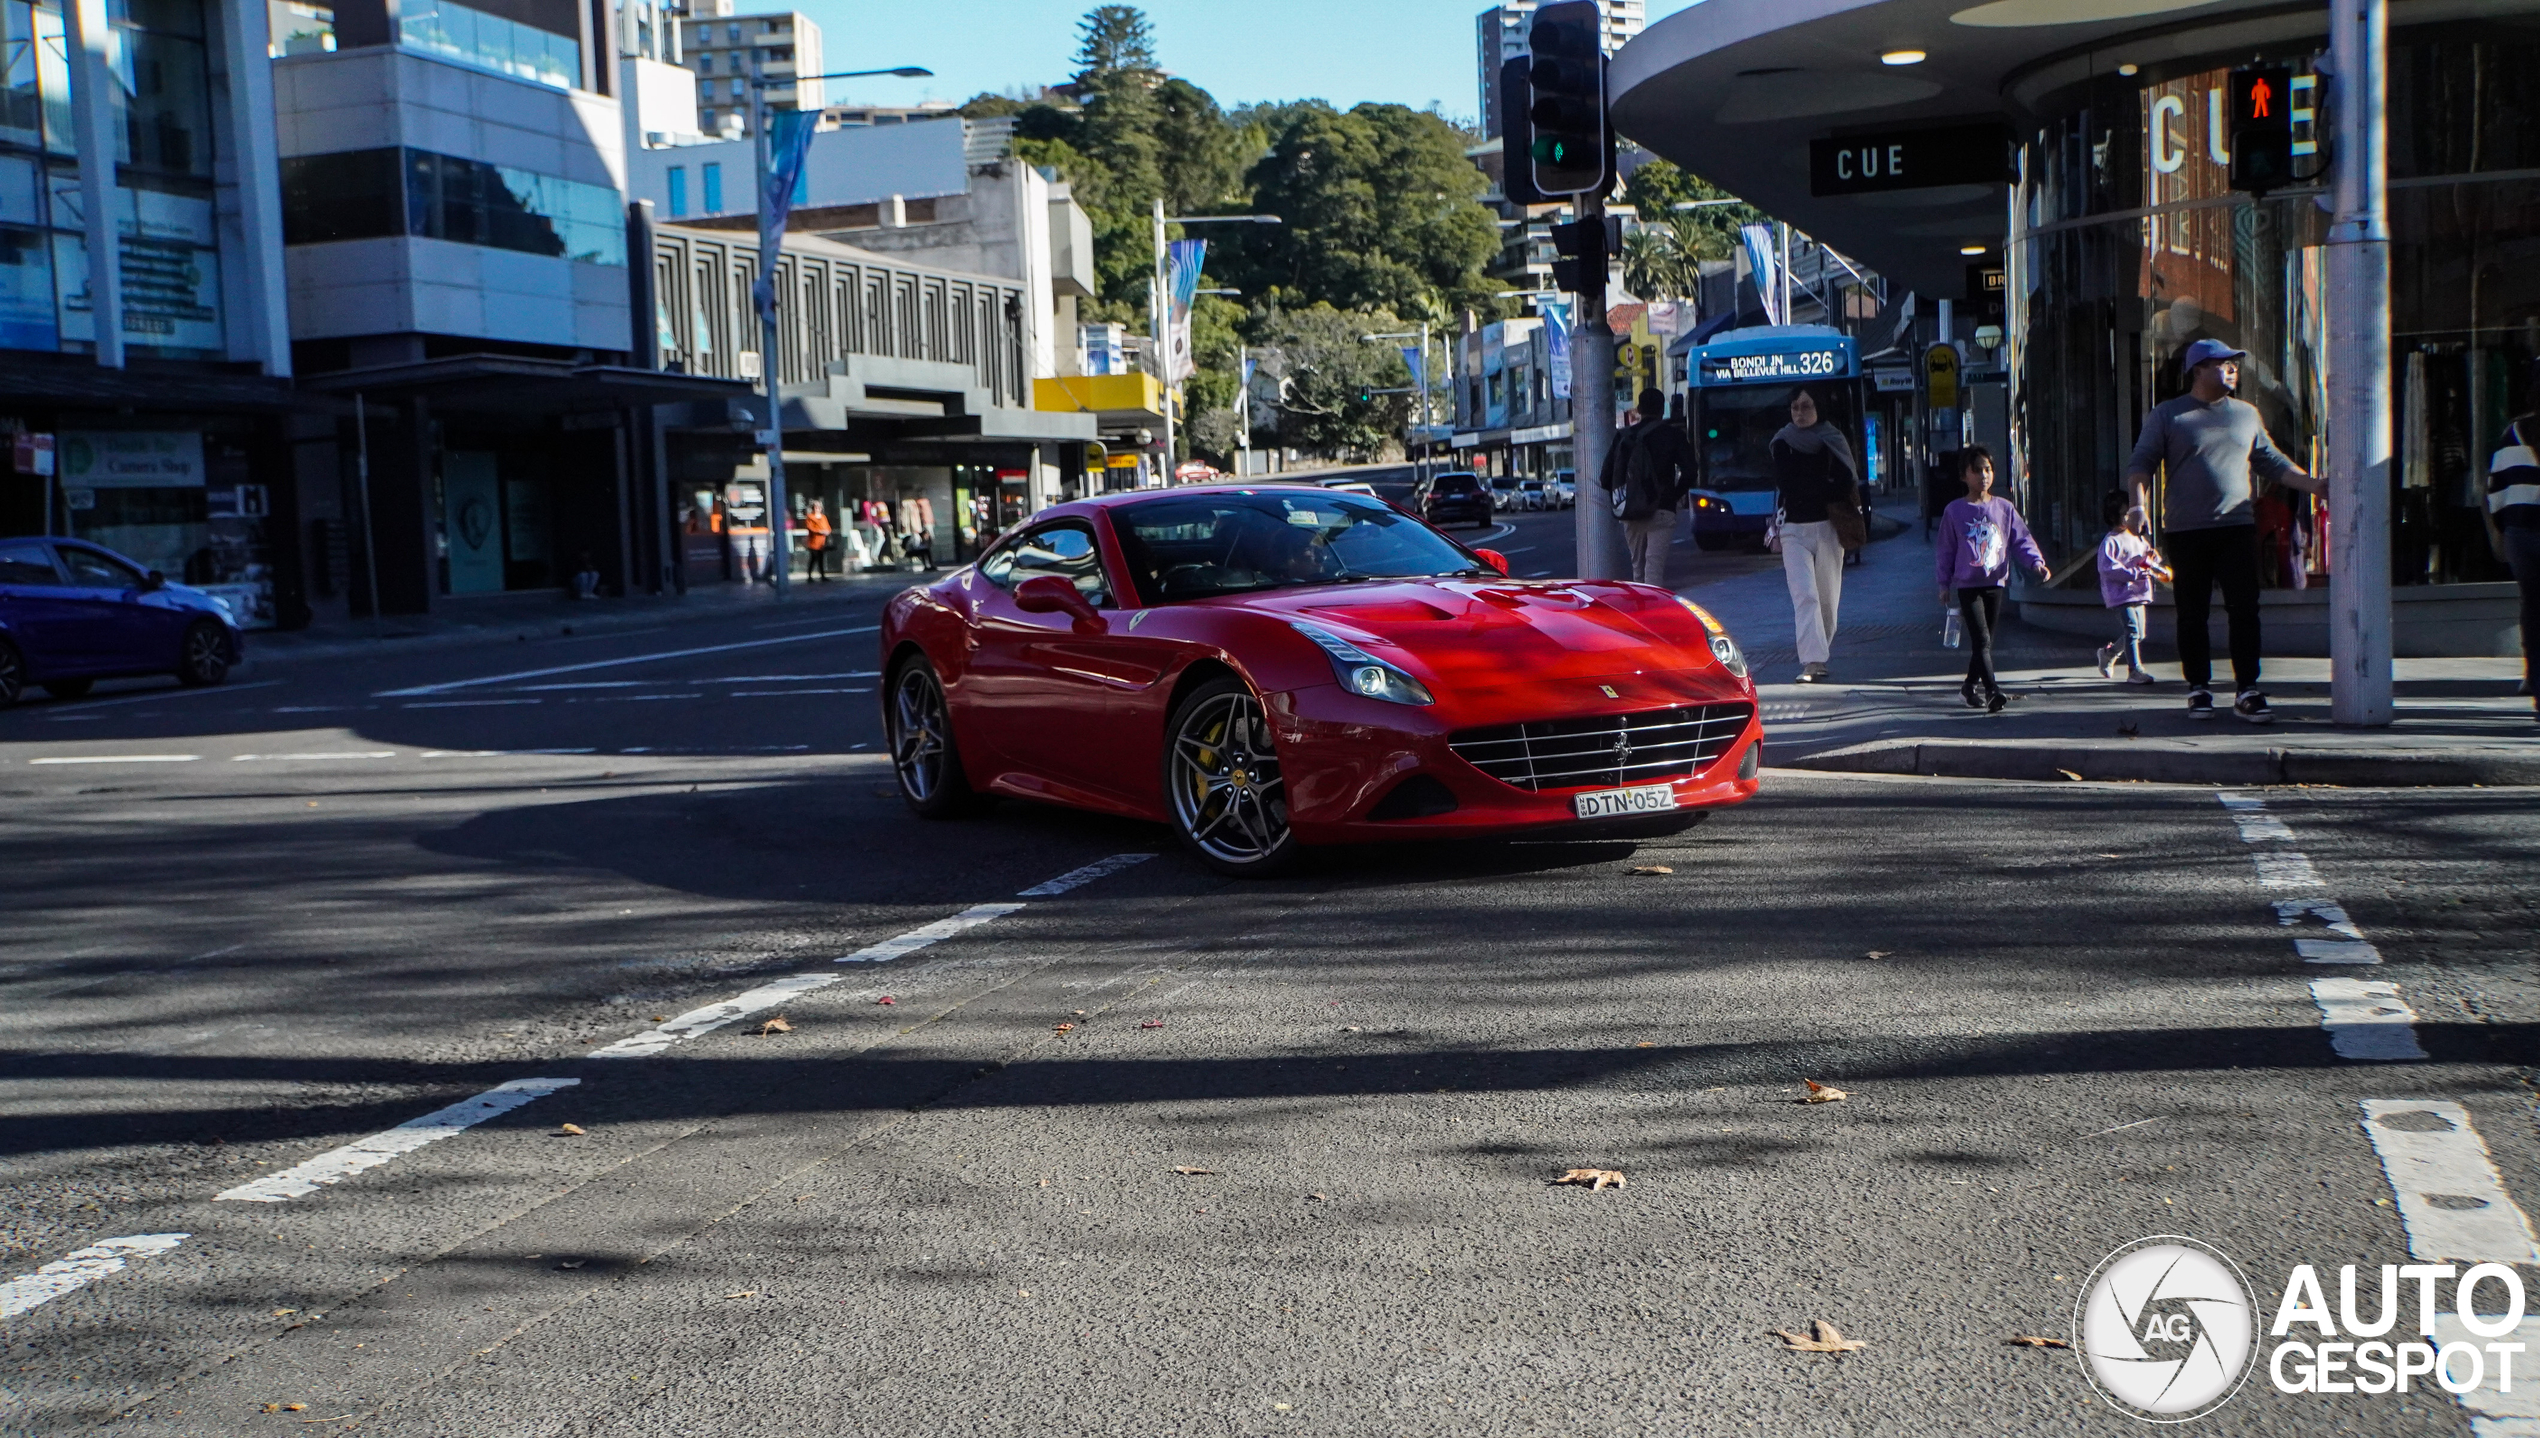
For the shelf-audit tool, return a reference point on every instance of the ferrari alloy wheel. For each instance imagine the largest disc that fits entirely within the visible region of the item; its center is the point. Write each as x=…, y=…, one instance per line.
x=1230, y=801
x=203, y=660
x=922, y=749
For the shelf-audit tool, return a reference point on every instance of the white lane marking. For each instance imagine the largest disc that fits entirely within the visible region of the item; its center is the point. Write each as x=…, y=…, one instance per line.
x=318, y=708
x=2451, y=1200
x=179, y=692
x=2494, y=1414
x=597, y=684
x=2327, y=911
x=2261, y=828
x=84, y=1266
x=405, y=1138
x=2367, y=1020
x=2285, y=869
x=934, y=933
x=119, y=759
x=470, y=703
x=714, y=1016
x=628, y=698
x=496, y=753
x=2243, y=803
x=2336, y=951
x=297, y=758
x=619, y=663
x=787, y=693
x=791, y=678
x=1078, y=878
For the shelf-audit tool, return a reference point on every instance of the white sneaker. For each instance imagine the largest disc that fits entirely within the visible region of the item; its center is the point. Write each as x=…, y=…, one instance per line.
x=2137, y=676
x=2107, y=661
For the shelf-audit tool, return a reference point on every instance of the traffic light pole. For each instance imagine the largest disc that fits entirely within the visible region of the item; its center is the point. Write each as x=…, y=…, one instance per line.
x=2359, y=639
x=1599, y=535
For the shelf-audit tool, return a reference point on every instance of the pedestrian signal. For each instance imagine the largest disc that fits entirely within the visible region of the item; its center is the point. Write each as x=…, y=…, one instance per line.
x=2261, y=128
x=1573, y=149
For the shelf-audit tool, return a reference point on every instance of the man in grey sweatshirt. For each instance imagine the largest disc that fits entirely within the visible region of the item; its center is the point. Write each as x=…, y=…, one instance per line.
x=2210, y=443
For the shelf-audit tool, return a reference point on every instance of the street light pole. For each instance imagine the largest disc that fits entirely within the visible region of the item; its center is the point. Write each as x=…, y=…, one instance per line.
x=1159, y=306
x=1599, y=536
x=771, y=252
x=2359, y=638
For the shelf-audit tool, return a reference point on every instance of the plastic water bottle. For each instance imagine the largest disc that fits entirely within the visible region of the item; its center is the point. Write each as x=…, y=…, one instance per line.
x=1953, y=635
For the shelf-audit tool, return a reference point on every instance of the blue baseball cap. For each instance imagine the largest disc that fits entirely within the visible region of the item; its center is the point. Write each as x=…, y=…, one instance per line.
x=2206, y=352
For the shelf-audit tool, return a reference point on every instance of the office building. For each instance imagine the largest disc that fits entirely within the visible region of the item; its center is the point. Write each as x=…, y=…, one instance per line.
x=727, y=51
x=1500, y=33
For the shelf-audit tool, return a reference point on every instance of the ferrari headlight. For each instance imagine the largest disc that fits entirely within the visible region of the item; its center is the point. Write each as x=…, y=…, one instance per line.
x=1363, y=673
x=1722, y=646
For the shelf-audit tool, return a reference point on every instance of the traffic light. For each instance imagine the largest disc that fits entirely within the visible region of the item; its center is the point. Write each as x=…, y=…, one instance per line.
x=2261, y=128
x=1517, y=134
x=1586, y=248
x=1572, y=150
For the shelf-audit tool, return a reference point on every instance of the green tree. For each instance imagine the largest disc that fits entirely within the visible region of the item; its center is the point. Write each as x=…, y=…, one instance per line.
x=1329, y=377
x=1708, y=233
x=1197, y=151
x=1381, y=209
x=1111, y=40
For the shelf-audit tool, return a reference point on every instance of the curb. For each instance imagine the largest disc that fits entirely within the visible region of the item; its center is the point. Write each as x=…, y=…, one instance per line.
x=2153, y=764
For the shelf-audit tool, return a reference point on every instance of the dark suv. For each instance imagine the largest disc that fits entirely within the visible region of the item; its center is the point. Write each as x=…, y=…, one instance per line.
x=1455, y=498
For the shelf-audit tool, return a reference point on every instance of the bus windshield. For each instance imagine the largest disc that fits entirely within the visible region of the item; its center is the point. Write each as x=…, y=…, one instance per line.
x=1737, y=424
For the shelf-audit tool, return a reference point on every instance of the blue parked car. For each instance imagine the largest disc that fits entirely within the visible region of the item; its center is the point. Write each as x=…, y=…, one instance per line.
x=72, y=614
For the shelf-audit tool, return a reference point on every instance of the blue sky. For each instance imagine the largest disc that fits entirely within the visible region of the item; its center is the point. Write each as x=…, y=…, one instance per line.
x=1405, y=51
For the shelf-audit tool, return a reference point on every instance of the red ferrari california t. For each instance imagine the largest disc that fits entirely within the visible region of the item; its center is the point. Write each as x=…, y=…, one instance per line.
x=1267, y=667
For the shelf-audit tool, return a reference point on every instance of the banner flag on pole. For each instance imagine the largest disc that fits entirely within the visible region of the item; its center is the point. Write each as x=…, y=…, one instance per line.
x=789, y=146
x=1184, y=259
x=1416, y=363
x=1556, y=354
x=1767, y=274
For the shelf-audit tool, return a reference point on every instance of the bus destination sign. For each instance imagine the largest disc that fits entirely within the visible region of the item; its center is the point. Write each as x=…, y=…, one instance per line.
x=1772, y=367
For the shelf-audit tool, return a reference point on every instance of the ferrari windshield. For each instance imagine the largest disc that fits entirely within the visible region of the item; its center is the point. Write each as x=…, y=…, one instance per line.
x=1195, y=546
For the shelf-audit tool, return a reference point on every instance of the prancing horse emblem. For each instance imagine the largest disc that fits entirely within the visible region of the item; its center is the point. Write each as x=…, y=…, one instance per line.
x=1622, y=749
x=1610, y=691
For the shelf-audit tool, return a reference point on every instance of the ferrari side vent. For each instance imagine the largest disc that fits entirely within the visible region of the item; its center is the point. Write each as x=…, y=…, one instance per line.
x=1607, y=750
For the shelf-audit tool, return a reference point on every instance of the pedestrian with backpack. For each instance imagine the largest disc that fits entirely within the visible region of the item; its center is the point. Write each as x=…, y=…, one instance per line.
x=1814, y=474
x=1645, y=475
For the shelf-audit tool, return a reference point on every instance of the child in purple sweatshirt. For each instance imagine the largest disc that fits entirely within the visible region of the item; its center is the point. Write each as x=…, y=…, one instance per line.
x=1978, y=537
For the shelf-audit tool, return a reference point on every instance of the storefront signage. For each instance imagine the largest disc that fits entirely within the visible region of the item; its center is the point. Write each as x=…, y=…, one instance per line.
x=1984, y=282
x=1909, y=160
x=1940, y=376
x=132, y=459
x=1779, y=365
x=1892, y=381
x=33, y=453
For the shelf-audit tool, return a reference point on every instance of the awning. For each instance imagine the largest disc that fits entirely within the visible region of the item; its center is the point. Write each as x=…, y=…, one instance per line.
x=73, y=382
x=521, y=383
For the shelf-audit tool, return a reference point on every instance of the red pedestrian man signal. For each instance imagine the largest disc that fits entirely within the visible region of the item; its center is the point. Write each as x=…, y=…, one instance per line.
x=2261, y=130
x=2259, y=93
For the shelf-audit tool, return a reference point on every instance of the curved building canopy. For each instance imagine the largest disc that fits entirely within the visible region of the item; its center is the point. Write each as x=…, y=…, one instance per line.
x=1736, y=91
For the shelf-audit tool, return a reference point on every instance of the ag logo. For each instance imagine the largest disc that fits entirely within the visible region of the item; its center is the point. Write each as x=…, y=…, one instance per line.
x=2167, y=1329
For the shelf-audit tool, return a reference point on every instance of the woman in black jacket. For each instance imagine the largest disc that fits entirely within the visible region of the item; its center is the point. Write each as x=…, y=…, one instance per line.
x=1814, y=471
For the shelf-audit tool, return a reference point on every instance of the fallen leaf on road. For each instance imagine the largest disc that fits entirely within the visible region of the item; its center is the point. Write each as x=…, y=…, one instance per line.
x=1649, y=869
x=887, y=999
x=284, y=1312
x=1209, y=1171
x=2031, y=1340
x=573, y=1263
x=776, y=1025
x=570, y=1130
x=1349, y=1028
x=2130, y=731
x=1878, y=953
x=1062, y=1028
x=2069, y=774
x=1825, y=1339
x=743, y=1293
x=661, y=1018
x=1080, y=1013
x=1821, y=1093
x=1644, y=1044
x=1152, y=1024
x=1594, y=1178
x=295, y=1407
x=1318, y=1198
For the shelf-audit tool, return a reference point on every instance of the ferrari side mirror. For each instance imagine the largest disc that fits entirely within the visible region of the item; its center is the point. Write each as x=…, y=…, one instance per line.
x=1049, y=594
x=1494, y=559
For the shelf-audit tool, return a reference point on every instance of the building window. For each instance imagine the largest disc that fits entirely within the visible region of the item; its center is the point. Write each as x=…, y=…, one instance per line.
x=714, y=189
x=481, y=41
x=705, y=64
x=371, y=194
x=678, y=191
x=734, y=31
x=296, y=28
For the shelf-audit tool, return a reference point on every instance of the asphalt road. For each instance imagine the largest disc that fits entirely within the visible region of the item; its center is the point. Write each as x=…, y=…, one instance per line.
x=1155, y=1153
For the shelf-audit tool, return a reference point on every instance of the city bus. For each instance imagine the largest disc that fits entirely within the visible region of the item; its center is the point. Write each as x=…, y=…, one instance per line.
x=1741, y=387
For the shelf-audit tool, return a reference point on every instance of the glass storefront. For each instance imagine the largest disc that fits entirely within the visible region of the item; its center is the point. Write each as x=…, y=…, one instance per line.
x=183, y=502
x=2129, y=245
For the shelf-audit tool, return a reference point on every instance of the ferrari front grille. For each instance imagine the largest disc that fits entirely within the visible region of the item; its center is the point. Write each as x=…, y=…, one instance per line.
x=1606, y=751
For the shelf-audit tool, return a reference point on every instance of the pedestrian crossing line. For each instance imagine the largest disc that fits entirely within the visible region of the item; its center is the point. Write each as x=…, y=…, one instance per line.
x=2451, y=1200
x=361, y=1155
x=776, y=993
x=82, y=1268
x=2366, y=1020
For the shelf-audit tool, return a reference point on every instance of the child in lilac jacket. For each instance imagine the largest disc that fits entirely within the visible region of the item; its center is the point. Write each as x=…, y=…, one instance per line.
x=1978, y=537
x=2127, y=566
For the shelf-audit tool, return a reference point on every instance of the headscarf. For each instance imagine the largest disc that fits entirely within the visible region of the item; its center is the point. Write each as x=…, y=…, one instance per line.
x=1819, y=438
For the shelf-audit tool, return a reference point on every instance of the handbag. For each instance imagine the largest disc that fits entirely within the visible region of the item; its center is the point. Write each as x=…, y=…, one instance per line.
x=1773, y=534
x=1851, y=527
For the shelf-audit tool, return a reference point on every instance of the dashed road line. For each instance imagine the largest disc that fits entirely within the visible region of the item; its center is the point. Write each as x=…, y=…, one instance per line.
x=470, y=703
x=1078, y=878
x=118, y=759
x=588, y=665
x=2451, y=1199
x=363, y=1154
x=714, y=1016
x=928, y=935
x=313, y=758
x=83, y=1267
x=2367, y=1021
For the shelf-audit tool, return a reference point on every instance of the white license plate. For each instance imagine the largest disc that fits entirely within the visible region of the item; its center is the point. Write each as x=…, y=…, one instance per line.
x=1613, y=803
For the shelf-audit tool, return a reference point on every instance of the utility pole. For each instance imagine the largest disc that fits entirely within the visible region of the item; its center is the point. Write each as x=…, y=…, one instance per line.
x=1599, y=535
x=1159, y=324
x=2359, y=640
x=771, y=251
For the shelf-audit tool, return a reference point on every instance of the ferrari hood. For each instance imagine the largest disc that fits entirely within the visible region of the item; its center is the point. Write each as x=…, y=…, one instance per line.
x=1473, y=634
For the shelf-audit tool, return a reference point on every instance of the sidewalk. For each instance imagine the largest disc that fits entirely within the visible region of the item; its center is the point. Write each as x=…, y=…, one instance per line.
x=1892, y=706
x=492, y=618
